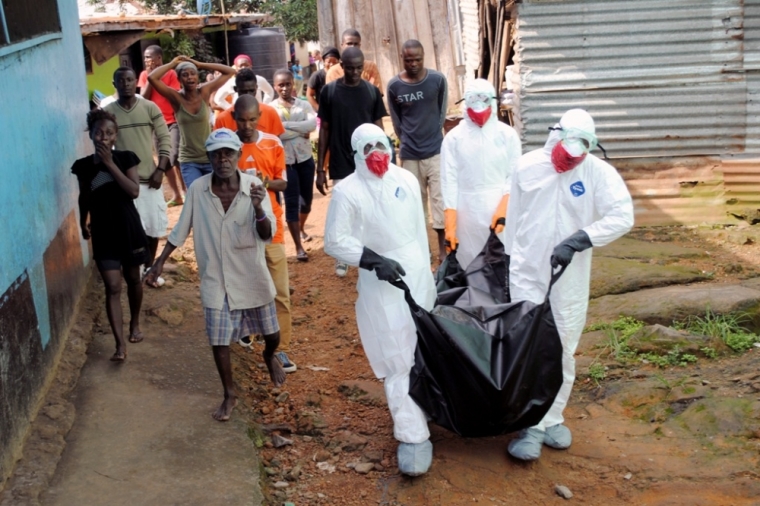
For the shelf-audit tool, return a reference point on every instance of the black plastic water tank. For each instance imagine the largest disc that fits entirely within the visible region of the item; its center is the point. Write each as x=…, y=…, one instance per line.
x=266, y=47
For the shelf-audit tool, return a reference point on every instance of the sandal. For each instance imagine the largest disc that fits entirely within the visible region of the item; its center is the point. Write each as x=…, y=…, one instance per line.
x=305, y=237
x=136, y=338
x=302, y=257
x=119, y=357
x=174, y=203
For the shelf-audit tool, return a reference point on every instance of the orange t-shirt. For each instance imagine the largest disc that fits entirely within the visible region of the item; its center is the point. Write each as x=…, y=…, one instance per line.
x=370, y=73
x=269, y=120
x=267, y=156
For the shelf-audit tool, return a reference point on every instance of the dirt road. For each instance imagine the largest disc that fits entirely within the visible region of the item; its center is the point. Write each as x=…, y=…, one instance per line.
x=645, y=436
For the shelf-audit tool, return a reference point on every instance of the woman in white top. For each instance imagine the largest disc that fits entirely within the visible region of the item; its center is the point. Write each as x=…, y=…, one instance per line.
x=299, y=119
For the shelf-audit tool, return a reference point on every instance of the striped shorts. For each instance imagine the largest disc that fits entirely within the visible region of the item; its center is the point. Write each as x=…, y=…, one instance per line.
x=224, y=326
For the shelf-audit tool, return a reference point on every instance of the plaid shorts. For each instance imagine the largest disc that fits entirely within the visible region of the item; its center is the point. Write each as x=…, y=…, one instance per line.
x=224, y=326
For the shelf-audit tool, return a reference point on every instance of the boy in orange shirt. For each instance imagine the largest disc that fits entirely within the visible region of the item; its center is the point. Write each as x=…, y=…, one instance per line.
x=269, y=120
x=264, y=156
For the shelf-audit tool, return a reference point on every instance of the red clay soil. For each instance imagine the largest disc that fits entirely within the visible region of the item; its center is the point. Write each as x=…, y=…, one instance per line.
x=332, y=416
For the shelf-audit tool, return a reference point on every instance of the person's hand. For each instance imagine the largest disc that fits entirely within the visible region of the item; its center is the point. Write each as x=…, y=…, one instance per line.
x=450, y=229
x=104, y=153
x=151, y=276
x=499, y=216
x=178, y=59
x=563, y=253
x=156, y=179
x=258, y=194
x=321, y=181
x=85, y=231
x=386, y=269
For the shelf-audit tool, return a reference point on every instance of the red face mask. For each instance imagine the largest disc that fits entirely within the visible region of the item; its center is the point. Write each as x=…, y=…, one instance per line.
x=479, y=118
x=564, y=161
x=378, y=163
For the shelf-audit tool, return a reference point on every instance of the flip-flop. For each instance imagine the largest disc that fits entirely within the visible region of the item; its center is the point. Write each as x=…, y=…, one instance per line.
x=306, y=237
x=302, y=257
x=119, y=357
x=174, y=203
x=136, y=338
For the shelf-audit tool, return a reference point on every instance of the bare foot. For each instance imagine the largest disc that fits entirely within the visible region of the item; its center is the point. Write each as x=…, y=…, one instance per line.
x=222, y=414
x=275, y=369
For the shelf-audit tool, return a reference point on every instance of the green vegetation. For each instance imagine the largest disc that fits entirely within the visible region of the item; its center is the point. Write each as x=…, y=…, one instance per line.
x=597, y=372
x=618, y=333
x=674, y=357
x=728, y=328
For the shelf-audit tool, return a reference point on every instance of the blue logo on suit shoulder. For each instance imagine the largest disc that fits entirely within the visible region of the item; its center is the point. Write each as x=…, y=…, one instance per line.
x=577, y=189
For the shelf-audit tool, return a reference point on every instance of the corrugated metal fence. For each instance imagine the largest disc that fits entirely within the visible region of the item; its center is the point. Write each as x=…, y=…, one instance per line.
x=673, y=86
x=660, y=78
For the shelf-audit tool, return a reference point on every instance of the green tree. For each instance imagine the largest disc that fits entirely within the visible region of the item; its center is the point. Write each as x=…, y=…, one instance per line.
x=297, y=17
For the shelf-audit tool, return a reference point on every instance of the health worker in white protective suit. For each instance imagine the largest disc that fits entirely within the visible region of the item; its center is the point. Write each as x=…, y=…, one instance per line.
x=564, y=200
x=478, y=157
x=375, y=221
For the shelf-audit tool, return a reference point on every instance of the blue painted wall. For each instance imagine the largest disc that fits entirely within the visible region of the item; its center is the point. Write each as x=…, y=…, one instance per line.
x=42, y=257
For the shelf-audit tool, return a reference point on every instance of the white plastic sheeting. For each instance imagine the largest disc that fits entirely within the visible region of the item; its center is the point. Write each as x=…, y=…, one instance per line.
x=662, y=79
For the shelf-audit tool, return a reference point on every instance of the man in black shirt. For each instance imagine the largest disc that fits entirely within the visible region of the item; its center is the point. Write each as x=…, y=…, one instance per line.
x=317, y=80
x=344, y=105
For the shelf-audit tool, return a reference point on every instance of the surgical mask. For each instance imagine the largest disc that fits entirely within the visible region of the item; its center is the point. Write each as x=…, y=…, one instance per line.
x=563, y=160
x=378, y=162
x=478, y=107
x=479, y=117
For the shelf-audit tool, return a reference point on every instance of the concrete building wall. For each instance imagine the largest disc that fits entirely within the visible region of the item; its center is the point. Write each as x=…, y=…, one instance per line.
x=42, y=257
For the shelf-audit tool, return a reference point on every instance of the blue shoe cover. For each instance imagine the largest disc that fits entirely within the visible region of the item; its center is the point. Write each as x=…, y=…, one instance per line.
x=415, y=459
x=528, y=444
x=558, y=436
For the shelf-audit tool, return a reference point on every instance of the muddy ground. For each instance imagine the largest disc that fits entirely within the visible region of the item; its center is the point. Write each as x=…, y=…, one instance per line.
x=644, y=435
x=684, y=435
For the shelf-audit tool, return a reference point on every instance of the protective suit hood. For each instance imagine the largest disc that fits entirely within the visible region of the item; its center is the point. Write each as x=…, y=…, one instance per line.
x=367, y=133
x=473, y=91
x=573, y=120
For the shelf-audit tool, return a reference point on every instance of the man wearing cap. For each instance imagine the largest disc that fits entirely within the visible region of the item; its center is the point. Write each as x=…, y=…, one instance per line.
x=232, y=220
x=564, y=200
x=226, y=96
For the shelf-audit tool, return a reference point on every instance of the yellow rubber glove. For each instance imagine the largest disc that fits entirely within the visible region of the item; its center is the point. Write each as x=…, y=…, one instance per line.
x=501, y=212
x=450, y=228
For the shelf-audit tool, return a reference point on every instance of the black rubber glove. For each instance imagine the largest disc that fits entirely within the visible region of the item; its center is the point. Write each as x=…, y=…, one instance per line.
x=564, y=251
x=385, y=268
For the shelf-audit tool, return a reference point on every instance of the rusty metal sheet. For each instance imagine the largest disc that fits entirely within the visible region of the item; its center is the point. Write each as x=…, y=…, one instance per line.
x=661, y=78
x=121, y=23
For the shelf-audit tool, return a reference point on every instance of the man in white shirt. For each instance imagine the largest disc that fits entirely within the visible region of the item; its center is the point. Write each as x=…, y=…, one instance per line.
x=232, y=220
x=265, y=92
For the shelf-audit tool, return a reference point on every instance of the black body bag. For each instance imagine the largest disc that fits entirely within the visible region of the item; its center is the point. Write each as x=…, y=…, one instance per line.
x=482, y=367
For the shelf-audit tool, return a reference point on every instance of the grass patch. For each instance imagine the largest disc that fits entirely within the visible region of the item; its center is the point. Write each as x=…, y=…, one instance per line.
x=674, y=357
x=728, y=328
x=597, y=372
x=618, y=333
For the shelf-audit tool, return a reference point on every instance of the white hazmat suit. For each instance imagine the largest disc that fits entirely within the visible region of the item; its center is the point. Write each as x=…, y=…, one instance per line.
x=476, y=169
x=547, y=207
x=384, y=214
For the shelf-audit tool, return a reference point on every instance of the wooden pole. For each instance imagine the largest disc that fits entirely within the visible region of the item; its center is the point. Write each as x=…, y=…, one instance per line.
x=226, y=41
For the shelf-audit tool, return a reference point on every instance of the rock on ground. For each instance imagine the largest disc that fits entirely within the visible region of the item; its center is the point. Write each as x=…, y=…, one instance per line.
x=674, y=303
